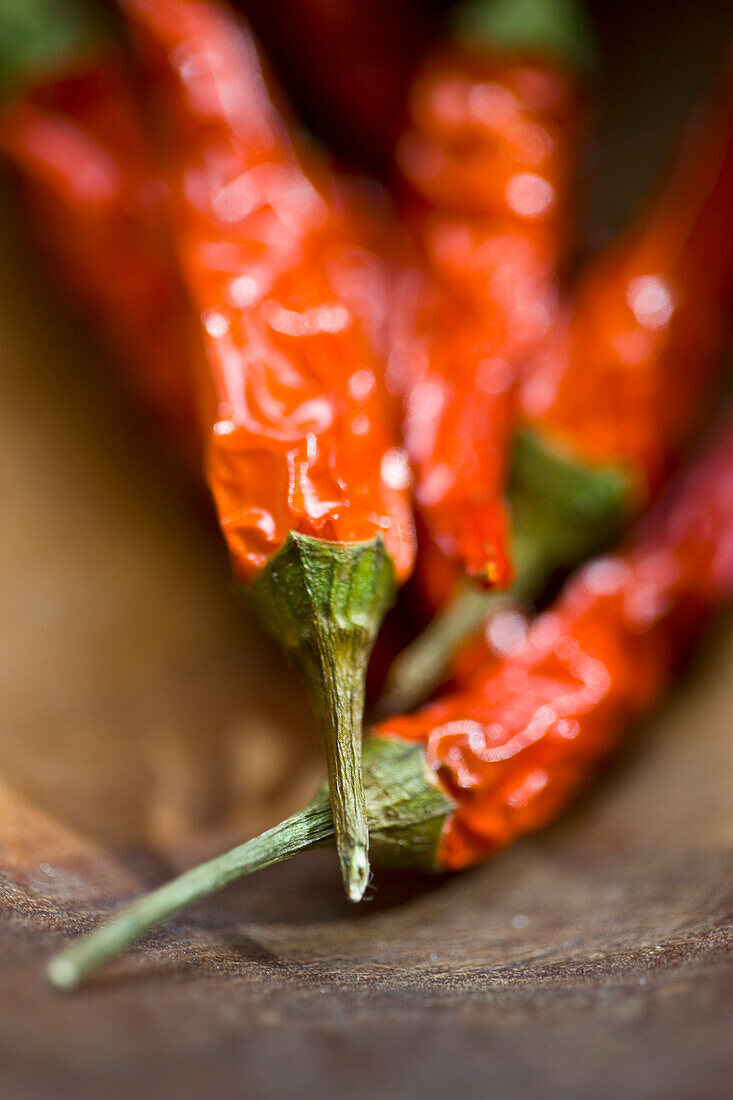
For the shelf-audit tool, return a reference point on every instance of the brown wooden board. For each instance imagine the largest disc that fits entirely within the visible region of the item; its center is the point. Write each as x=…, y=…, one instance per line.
x=147, y=723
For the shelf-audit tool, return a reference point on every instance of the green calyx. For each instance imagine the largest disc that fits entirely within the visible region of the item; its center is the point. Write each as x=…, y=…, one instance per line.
x=406, y=812
x=324, y=602
x=405, y=807
x=559, y=29
x=40, y=37
x=563, y=510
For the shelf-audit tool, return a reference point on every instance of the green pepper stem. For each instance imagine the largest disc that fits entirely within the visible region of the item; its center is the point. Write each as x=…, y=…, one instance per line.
x=303, y=830
x=40, y=37
x=560, y=29
x=325, y=602
x=407, y=812
x=424, y=664
x=338, y=699
x=421, y=666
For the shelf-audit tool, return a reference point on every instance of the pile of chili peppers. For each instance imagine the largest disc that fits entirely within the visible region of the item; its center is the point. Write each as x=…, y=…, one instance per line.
x=356, y=360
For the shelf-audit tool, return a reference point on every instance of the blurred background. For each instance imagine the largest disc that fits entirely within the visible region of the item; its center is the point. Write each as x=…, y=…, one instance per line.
x=146, y=722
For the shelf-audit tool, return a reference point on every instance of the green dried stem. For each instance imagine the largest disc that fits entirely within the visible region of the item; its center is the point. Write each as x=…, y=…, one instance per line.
x=41, y=37
x=325, y=602
x=558, y=29
x=407, y=812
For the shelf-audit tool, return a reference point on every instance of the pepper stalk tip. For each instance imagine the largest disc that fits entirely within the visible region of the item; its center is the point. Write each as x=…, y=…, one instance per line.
x=407, y=811
x=325, y=602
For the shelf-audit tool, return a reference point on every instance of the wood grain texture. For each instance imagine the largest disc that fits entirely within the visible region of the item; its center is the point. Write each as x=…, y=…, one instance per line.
x=146, y=723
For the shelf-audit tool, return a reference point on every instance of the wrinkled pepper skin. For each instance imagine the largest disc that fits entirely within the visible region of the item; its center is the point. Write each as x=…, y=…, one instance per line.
x=523, y=733
x=292, y=387
x=96, y=207
x=488, y=158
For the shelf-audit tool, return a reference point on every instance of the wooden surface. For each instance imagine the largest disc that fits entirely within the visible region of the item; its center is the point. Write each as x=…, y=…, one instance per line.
x=146, y=723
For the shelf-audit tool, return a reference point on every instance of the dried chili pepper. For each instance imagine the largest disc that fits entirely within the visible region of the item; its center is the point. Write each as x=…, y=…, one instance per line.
x=96, y=208
x=302, y=458
x=449, y=786
x=611, y=401
x=488, y=156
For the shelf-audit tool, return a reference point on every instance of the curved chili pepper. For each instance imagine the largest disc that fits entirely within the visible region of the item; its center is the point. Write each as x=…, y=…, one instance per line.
x=488, y=159
x=613, y=398
x=308, y=478
x=261, y=236
x=449, y=786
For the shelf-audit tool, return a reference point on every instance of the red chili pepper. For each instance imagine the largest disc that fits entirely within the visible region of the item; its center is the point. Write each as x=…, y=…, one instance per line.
x=614, y=397
x=97, y=209
x=626, y=380
x=263, y=241
x=308, y=477
x=457, y=424
x=508, y=750
x=489, y=157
